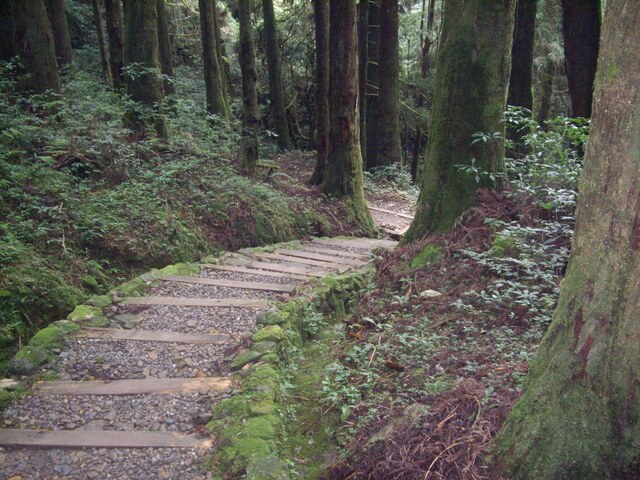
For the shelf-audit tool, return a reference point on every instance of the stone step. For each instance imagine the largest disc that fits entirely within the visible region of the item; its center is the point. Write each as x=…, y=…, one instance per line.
x=327, y=250
x=152, y=336
x=274, y=267
x=196, y=302
x=320, y=257
x=271, y=287
x=389, y=212
x=359, y=243
x=132, y=387
x=304, y=261
x=253, y=271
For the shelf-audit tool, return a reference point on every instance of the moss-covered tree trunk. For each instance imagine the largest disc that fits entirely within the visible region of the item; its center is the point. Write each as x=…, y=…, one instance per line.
x=373, y=79
x=472, y=75
x=144, y=83
x=363, y=60
x=321, y=20
x=60, y=28
x=581, y=32
x=35, y=46
x=164, y=48
x=579, y=416
x=249, y=146
x=115, y=34
x=521, y=78
x=344, y=176
x=102, y=43
x=216, y=103
x=222, y=62
x=276, y=87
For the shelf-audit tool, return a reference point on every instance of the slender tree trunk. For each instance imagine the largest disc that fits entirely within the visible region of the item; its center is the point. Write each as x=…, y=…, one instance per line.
x=164, y=48
x=8, y=45
x=223, y=64
x=321, y=16
x=35, y=45
x=472, y=78
x=216, y=103
x=344, y=176
x=363, y=60
x=102, y=44
x=521, y=79
x=61, y=37
x=250, y=146
x=141, y=56
x=578, y=416
x=373, y=81
x=276, y=90
x=581, y=31
x=115, y=34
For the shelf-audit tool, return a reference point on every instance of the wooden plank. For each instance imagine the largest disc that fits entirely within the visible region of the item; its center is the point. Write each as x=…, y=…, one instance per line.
x=327, y=250
x=389, y=212
x=303, y=261
x=274, y=267
x=147, y=386
x=270, y=287
x=197, y=302
x=320, y=257
x=361, y=243
x=251, y=271
x=100, y=439
x=152, y=336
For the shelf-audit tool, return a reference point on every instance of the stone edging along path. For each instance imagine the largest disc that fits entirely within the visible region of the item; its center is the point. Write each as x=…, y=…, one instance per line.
x=128, y=383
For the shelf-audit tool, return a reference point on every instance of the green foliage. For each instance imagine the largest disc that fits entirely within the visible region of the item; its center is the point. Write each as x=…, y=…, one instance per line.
x=427, y=255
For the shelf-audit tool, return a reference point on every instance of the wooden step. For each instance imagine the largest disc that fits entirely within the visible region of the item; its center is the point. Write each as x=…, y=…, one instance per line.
x=100, y=439
x=389, y=212
x=251, y=271
x=362, y=243
x=303, y=261
x=148, y=386
x=270, y=287
x=197, y=302
x=137, y=335
x=327, y=250
x=274, y=267
x=319, y=257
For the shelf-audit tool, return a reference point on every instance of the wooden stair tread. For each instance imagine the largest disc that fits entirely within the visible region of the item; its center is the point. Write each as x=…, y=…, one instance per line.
x=304, y=261
x=390, y=212
x=271, y=287
x=362, y=243
x=152, y=336
x=327, y=250
x=251, y=271
x=197, y=302
x=100, y=439
x=320, y=257
x=275, y=267
x=147, y=386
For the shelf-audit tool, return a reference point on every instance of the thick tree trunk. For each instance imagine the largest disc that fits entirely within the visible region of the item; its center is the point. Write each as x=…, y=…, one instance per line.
x=222, y=63
x=249, y=146
x=102, y=44
x=472, y=77
x=164, y=48
x=61, y=37
x=344, y=176
x=321, y=17
x=141, y=56
x=521, y=79
x=216, y=103
x=35, y=46
x=388, y=102
x=115, y=34
x=8, y=45
x=373, y=80
x=363, y=60
x=276, y=90
x=578, y=416
x=581, y=31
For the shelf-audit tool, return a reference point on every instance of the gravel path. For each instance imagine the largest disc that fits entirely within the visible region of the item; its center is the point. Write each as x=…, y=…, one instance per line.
x=247, y=277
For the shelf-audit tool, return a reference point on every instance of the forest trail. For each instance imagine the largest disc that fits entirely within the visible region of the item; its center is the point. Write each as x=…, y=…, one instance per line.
x=130, y=401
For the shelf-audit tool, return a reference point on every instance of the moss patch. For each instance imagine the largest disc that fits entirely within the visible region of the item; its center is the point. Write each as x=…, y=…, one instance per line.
x=270, y=333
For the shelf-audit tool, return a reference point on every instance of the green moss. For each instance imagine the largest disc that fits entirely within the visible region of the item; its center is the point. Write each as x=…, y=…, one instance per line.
x=99, y=301
x=131, y=288
x=4, y=397
x=264, y=347
x=84, y=312
x=243, y=450
x=262, y=407
x=264, y=426
x=180, y=269
x=52, y=335
x=28, y=359
x=244, y=358
x=271, y=358
x=237, y=406
x=90, y=282
x=267, y=468
x=427, y=256
x=276, y=317
x=504, y=246
x=270, y=333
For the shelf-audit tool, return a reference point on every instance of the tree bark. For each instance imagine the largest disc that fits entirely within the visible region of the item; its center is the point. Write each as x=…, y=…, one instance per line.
x=344, y=176
x=472, y=77
x=321, y=17
x=102, y=44
x=35, y=45
x=581, y=32
x=276, y=90
x=8, y=45
x=144, y=85
x=164, y=48
x=373, y=80
x=216, y=103
x=578, y=416
x=521, y=79
x=363, y=60
x=222, y=63
x=60, y=28
x=250, y=145
x=115, y=34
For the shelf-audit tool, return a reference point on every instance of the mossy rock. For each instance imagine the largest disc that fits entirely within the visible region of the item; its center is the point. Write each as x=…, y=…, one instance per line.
x=4, y=397
x=271, y=318
x=85, y=312
x=270, y=333
x=264, y=347
x=271, y=358
x=427, y=256
x=28, y=359
x=47, y=337
x=264, y=427
x=67, y=326
x=267, y=468
x=245, y=358
x=262, y=375
x=90, y=282
x=236, y=457
x=237, y=406
x=262, y=407
x=131, y=288
x=99, y=301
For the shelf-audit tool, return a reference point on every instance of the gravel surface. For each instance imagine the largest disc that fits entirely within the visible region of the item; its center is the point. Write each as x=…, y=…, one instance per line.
x=180, y=289
x=248, y=277
x=103, y=464
x=180, y=412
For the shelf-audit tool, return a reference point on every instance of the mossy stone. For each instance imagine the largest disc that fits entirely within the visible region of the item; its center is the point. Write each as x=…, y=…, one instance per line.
x=251, y=447
x=267, y=468
x=85, y=312
x=264, y=347
x=262, y=375
x=67, y=326
x=244, y=358
x=262, y=407
x=131, y=288
x=231, y=407
x=180, y=269
x=271, y=358
x=264, y=427
x=28, y=359
x=52, y=335
x=270, y=333
x=271, y=318
x=90, y=282
x=99, y=301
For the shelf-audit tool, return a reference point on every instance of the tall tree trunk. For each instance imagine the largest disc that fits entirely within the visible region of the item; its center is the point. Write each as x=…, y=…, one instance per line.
x=388, y=102
x=581, y=31
x=472, y=77
x=249, y=146
x=115, y=34
x=276, y=89
x=578, y=416
x=8, y=45
x=363, y=60
x=344, y=176
x=164, y=48
x=141, y=56
x=220, y=50
x=321, y=17
x=61, y=37
x=521, y=79
x=373, y=80
x=35, y=45
x=216, y=103
x=102, y=44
